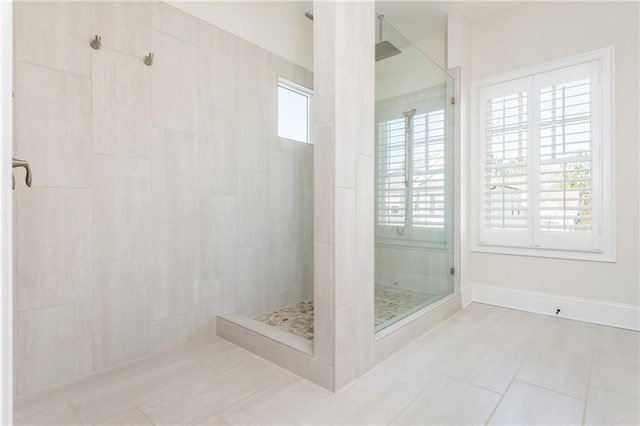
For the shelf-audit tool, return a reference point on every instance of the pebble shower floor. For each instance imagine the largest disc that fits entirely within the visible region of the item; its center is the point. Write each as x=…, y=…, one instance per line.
x=390, y=302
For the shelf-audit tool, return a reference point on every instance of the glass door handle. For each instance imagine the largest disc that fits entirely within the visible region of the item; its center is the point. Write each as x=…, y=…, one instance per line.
x=21, y=163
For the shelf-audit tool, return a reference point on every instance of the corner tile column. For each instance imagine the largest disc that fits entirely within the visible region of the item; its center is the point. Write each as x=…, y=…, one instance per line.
x=344, y=77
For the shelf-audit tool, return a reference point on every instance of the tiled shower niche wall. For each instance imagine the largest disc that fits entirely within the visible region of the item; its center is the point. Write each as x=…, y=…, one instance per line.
x=161, y=195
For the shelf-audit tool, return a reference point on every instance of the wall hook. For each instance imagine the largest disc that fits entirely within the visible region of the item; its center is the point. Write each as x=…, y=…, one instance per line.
x=96, y=43
x=148, y=60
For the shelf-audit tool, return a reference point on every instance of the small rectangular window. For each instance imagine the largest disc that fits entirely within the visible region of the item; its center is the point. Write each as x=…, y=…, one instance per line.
x=294, y=111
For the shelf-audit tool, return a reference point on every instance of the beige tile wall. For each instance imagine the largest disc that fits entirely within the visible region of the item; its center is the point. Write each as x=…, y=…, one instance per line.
x=161, y=195
x=344, y=181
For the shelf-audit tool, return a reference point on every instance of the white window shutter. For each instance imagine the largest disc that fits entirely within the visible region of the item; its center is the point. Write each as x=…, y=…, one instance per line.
x=392, y=191
x=428, y=170
x=543, y=157
x=568, y=159
x=504, y=194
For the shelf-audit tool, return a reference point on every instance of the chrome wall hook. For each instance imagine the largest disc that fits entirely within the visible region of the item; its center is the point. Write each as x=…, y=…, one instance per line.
x=96, y=43
x=148, y=60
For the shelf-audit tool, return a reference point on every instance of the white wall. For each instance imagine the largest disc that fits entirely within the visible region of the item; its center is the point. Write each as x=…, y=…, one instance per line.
x=277, y=26
x=435, y=47
x=538, y=32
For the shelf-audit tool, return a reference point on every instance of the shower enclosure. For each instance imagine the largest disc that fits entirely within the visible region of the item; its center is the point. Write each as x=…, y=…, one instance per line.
x=414, y=191
x=167, y=206
x=414, y=180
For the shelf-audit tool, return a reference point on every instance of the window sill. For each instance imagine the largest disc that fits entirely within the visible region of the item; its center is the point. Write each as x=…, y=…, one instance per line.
x=606, y=257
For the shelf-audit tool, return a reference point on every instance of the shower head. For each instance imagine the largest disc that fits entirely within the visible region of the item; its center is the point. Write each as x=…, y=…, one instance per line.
x=384, y=49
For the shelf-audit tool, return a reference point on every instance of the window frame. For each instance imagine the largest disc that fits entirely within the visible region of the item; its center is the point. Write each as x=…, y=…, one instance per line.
x=301, y=90
x=424, y=102
x=601, y=245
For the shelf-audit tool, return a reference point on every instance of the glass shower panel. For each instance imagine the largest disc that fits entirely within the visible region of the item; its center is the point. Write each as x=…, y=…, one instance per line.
x=414, y=179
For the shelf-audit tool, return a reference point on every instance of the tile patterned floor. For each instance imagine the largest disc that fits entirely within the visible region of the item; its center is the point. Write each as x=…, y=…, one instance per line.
x=483, y=365
x=390, y=303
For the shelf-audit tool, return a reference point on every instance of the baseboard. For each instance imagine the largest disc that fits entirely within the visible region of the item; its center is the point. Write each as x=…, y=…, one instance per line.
x=588, y=310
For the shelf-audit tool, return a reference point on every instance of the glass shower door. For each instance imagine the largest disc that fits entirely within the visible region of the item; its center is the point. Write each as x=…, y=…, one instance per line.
x=414, y=182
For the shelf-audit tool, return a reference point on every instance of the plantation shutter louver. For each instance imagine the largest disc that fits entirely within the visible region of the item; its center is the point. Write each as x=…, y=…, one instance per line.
x=568, y=156
x=428, y=171
x=392, y=193
x=506, y=162
x=505, y=132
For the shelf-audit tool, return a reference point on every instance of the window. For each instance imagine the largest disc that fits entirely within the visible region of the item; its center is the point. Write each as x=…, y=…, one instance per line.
x=294, y=111
x=411, y=175
x=542, y=152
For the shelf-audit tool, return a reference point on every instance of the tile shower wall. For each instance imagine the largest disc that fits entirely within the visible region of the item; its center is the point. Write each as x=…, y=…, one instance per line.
x=344, y=40
x=417, y=269
x=161, y=195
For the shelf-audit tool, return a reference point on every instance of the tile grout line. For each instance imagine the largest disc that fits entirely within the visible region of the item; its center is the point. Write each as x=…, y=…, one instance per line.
x=406, y=407
x=549, y=390
x=57, y=305
x=616, y=392
x=592, y=365
x=462, y=381
x=126, y=156
x=50, y=68
x=153, y=287
x=219, y=410
x=145, y=415
x=68, y=402
x=307, y=411
x=91, y=185
x=256, y=390
x=472, y=384
x=81, y=379
x=524, y=359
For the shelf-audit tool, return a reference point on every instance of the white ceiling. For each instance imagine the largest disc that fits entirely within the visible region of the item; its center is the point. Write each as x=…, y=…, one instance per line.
x=419, y=20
